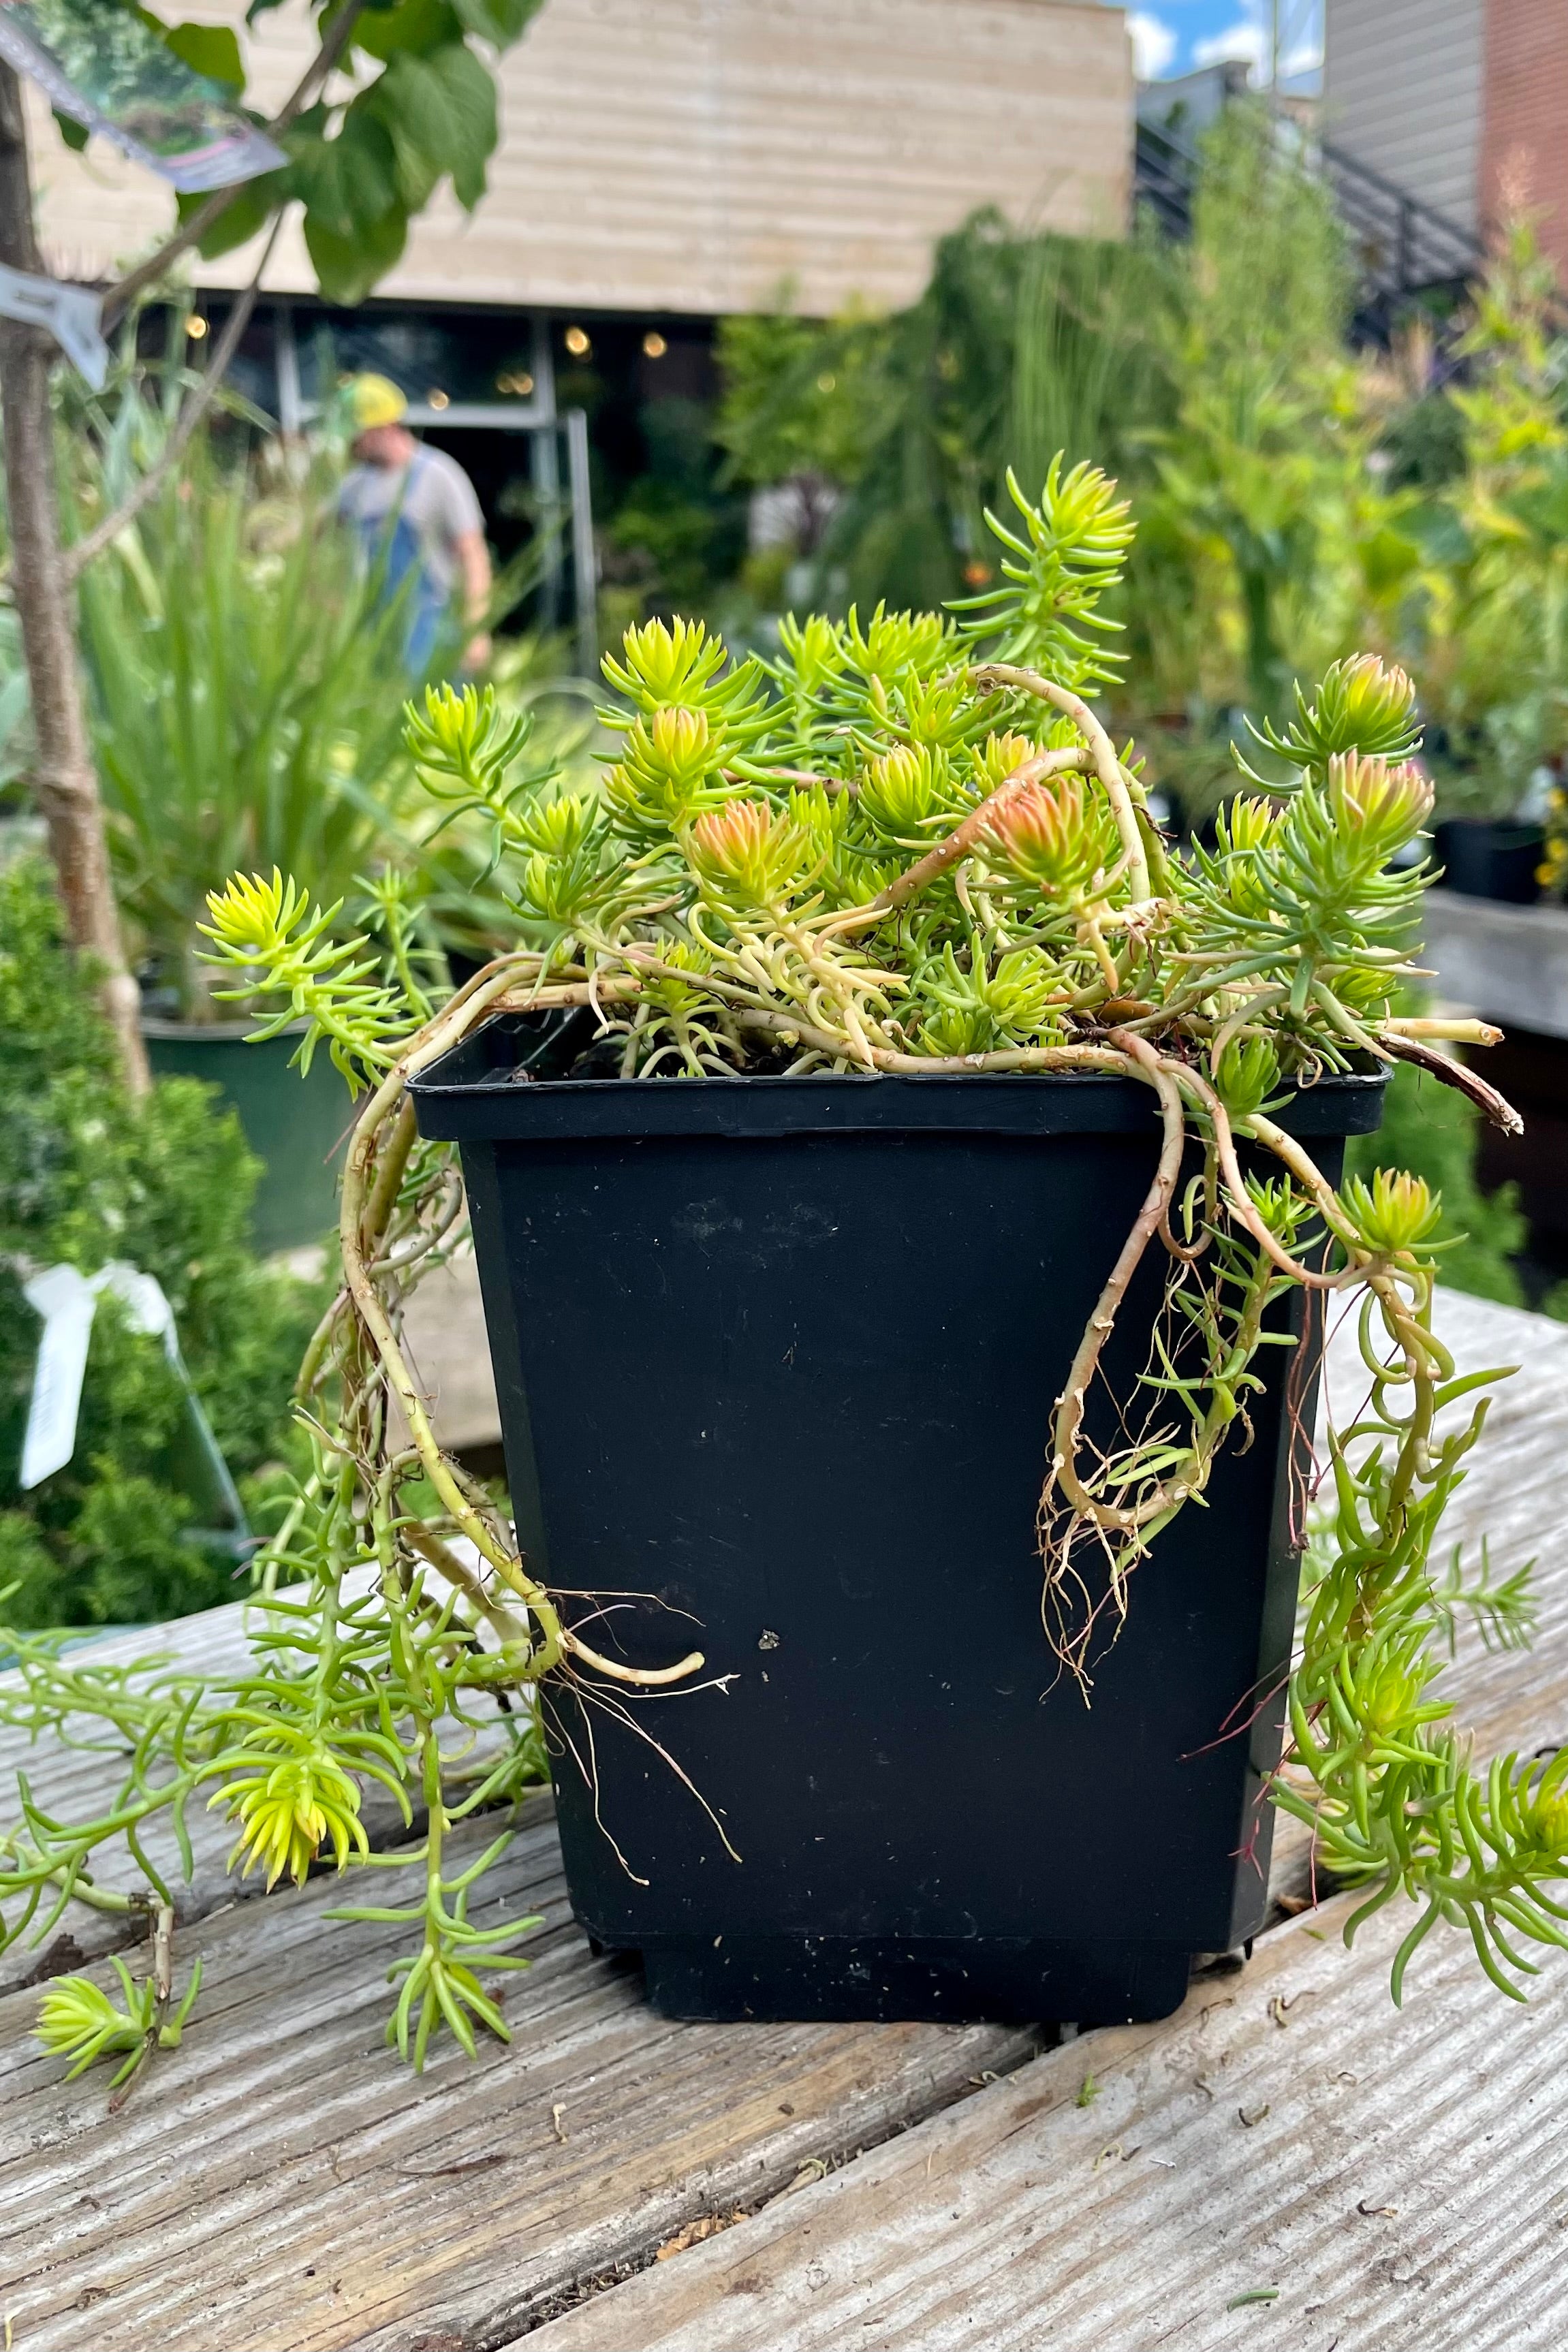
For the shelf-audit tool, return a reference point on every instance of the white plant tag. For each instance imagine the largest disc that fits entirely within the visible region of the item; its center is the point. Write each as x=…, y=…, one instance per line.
x=141, y=1295
x=67, y=1301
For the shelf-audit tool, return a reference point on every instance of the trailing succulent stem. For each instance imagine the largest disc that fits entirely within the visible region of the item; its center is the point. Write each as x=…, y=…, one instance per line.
x=906, y=846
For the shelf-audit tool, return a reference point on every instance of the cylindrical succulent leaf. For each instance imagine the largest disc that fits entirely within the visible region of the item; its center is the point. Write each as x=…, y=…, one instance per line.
x=1055, y=837
x=1385, y=806
x=1392, y=1212
x=754, y=855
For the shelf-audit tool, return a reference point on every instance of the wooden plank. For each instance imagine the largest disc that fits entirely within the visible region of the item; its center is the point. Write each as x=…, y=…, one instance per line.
x=1510, y=963
x=283, y=2183
x=1399, y=2177
x=693, y=157
x=68, y=1781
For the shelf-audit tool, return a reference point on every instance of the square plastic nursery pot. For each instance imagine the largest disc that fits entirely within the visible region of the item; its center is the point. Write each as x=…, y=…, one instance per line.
x=776, y=1360
x=299, y=1130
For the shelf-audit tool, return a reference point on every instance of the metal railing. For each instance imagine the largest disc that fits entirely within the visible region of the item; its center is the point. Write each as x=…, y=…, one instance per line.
x=1403, y=247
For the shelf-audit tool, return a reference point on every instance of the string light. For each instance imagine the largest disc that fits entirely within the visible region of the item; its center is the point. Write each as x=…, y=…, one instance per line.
x=653, y=344
x=440, y=399
x=195, y=326
x=577, y=342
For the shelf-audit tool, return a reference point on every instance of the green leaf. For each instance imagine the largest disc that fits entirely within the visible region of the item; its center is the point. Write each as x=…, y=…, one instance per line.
x=414, y=175
x=352, y=180
x=209, y=50
x=440, y=112
x=75, y=134
x=416, y=26
x=247, y=210
x=347, y=268
x=501, y=21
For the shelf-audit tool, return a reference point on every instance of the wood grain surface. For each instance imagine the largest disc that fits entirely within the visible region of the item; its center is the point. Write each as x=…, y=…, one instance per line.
x=1378, y=2180
x=284, y=2183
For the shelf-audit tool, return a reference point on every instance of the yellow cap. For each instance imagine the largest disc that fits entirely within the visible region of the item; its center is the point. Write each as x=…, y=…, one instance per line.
x=375, y=400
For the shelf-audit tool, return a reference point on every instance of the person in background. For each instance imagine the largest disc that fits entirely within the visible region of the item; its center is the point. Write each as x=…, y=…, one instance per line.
x=414, y=510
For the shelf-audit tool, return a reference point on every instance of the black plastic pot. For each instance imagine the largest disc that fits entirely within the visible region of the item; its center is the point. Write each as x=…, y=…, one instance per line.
x=298, y=1130
x=776, y=1359
x=1485, y=857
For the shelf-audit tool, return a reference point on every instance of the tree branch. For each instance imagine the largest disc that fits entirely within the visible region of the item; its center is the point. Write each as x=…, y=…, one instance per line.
x=75, y=560
x=147, y=273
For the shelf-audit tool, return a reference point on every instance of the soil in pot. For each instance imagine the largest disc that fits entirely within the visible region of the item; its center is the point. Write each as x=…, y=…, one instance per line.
x=299, y=1130
x=776, y=1360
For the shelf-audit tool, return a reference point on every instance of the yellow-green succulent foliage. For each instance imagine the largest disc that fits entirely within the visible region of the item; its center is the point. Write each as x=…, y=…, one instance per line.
x=905, y=846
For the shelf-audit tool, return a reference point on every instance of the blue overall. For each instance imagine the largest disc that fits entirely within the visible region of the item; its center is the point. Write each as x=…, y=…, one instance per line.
x=392, y=543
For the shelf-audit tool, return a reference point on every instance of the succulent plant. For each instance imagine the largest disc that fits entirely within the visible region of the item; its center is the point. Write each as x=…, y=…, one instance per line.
x=906, y=844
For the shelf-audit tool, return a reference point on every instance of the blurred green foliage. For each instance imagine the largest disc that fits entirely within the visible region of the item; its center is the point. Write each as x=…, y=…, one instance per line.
x=1297, y=500
x=245, y=686
x=1019, y=347
x=86, y=1175
x=673, y=523
x=416, y=106
x=800, y=398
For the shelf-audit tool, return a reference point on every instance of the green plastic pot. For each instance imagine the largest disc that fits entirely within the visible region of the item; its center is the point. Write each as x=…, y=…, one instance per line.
x=297, y=1127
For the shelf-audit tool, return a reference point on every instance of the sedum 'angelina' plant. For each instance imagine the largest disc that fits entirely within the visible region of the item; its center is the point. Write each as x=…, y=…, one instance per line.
x=908, y=845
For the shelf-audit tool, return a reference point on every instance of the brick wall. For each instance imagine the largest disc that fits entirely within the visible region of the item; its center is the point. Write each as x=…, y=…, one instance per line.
x=1524, y=135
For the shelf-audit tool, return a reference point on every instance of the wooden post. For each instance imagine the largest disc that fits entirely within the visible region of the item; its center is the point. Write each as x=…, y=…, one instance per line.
x=64, y=777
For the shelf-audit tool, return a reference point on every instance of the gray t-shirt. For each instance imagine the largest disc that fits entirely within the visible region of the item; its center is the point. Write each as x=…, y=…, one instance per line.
x=433, y=496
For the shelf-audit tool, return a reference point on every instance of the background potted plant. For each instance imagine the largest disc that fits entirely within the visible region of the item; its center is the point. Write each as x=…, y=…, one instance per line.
x=244, y=679
x=895, y=900
x=243, y=682
x=129, y=1529
x=1493, y=584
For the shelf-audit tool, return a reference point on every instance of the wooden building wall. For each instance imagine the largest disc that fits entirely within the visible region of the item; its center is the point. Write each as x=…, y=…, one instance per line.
x=1403, y=84
x=696, y=155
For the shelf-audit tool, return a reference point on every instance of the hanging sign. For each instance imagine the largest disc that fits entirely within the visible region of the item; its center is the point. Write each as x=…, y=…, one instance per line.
x=69, y=313
x=98, y=62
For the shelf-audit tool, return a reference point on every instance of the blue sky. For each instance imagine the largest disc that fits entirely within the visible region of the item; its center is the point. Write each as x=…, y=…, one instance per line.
x=1172, y=36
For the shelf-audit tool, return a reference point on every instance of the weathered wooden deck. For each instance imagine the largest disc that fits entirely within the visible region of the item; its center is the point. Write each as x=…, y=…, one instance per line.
x=614, y=2182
